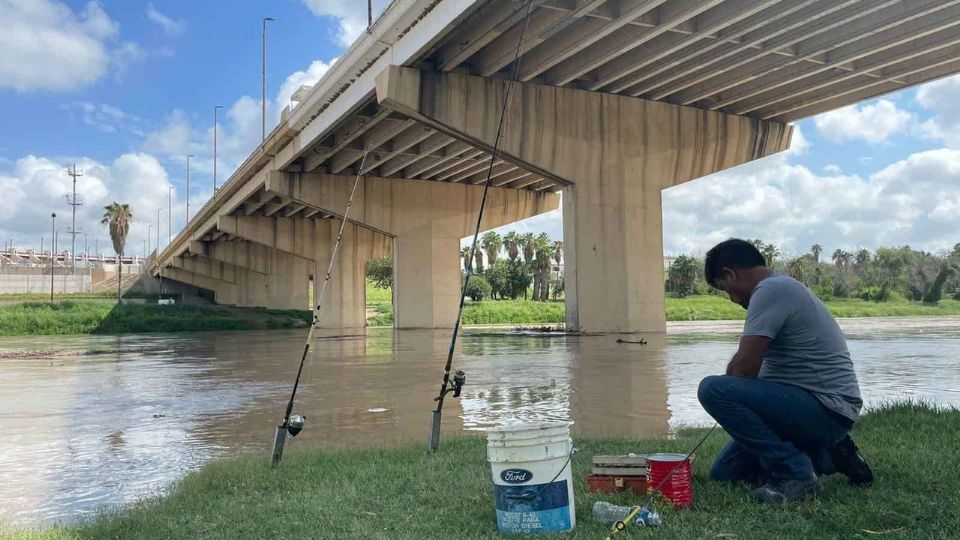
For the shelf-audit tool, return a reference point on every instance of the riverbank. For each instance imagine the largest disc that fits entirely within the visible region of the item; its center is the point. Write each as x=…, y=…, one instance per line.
x=692, y=308
x=98, y=317
x=408, y=493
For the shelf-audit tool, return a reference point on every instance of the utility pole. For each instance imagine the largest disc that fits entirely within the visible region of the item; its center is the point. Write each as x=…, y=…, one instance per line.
x=215, y=109
x=73, y=202
x=96, y=246
x=263, y=84
x=53, y=251
x=150, y=234
x=188, y=189
x=158, y=227
x=369, y=14
x=86, y=251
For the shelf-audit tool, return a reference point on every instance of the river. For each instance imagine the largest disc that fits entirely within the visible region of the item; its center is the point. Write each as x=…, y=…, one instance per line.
x=99, y=421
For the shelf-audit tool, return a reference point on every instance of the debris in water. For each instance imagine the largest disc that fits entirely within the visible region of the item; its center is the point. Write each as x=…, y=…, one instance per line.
x=376, y=410
x=641, y=342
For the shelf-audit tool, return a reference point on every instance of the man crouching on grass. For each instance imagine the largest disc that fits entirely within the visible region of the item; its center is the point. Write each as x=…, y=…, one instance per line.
x=790, y=395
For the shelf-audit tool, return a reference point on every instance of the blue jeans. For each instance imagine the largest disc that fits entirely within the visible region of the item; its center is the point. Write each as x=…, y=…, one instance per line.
x=778, y=430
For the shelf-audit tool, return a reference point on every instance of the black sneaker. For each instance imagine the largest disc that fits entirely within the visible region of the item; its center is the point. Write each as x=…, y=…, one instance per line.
x=779, y=491
x=849, y=461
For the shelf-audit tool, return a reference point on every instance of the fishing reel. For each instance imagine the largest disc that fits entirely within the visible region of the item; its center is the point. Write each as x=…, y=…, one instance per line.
x=455, y=385
x=295, y=424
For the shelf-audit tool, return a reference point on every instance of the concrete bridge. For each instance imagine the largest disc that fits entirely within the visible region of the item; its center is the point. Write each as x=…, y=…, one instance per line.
x=617, y=100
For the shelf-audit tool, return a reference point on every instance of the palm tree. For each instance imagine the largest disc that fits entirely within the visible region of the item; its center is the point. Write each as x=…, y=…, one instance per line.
x=117, y=219
x=465, y=255
x=558, y=251
x=862, y=259
x=478, y=261
x=838, y=258
x=511, y=242
x=816, y=250
x=770, y=253
x=527, y=243
x=491, y=243
x=541, y=266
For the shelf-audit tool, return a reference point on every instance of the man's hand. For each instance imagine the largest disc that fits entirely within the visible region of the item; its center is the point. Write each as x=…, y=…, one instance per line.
x=746, y=362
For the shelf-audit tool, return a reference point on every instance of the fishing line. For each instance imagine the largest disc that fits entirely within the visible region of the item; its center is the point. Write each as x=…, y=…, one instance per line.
x=294, y=424
x=619, y=526
x=459, y=379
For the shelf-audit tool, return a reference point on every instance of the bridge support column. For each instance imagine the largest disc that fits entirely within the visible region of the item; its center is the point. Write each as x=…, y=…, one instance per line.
x=614, y=153
x=309, y=242
x=426, y=220
x=426, y=278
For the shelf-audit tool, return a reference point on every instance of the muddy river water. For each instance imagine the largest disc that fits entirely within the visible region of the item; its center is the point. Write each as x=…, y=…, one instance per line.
x=99, y=421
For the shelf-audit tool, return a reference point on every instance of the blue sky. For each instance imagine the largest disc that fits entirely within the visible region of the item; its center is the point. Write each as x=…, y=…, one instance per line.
x=127, y=89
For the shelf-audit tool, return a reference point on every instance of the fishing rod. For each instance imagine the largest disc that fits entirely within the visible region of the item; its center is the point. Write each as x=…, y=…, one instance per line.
x=459, y=378
x=646, y=517
x=294, y=424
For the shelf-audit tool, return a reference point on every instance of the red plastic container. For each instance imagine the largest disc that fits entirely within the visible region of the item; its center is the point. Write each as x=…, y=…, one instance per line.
x=679, y=486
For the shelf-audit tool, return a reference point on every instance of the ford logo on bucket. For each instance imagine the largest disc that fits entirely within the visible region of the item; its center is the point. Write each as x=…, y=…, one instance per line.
x=516, y=476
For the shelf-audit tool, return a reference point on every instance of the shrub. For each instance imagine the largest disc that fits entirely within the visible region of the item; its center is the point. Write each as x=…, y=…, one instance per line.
x=478, y=288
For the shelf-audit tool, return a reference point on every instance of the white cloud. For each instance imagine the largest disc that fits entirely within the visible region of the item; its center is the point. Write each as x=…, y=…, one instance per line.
x=103, y=117
x=873, y=122
x=941, y=97
x=170, y=26
x=45, y=45
x=352, y=15
x=913, y=201
x=295, y=80
x=36, y=186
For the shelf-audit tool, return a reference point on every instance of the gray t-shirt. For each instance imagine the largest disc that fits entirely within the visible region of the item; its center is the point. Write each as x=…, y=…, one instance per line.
x=807, y=347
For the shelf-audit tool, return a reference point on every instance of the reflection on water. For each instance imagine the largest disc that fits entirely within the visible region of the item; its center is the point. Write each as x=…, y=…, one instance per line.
x=81, y=431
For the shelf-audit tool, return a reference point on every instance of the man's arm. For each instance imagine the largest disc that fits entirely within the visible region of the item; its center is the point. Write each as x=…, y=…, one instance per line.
x=746, y=362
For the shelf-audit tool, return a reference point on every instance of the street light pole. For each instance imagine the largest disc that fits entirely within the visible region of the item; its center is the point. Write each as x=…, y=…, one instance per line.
x=169, y=215
x=215, y=109
x=150, y=233
x=158, y=228
x=53, y=251
x=263, y=83
x=188, y=188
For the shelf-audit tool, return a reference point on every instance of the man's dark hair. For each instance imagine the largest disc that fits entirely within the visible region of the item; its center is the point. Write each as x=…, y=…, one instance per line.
x=732, y=253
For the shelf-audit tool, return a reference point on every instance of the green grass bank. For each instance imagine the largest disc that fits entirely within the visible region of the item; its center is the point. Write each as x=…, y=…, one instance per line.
x=97, y=317
x=408, y=494
x=692, y=308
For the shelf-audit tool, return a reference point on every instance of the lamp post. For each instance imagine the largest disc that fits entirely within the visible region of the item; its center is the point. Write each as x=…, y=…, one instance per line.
x=150, y=234
x=215, y=109
x=53, y=251
x=188, y=189
x=158, y=227
x=263, y=83
x=170, y=214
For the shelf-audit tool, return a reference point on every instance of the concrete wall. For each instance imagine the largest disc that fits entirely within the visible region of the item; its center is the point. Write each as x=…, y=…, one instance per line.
x=38, y=283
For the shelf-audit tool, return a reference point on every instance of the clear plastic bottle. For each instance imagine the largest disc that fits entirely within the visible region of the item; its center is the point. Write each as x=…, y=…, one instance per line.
x=606, y=513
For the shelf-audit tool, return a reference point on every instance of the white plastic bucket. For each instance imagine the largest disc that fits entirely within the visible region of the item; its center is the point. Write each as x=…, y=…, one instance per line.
x=532, y=484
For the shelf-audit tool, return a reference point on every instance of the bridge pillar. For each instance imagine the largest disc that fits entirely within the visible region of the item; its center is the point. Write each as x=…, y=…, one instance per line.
x=615, y=154
x=310, y=242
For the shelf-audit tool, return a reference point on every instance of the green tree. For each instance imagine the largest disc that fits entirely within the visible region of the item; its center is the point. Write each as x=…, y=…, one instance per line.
x=682, y=275
x=861, y=261
x=934, y=293
x=770, y=253
x=117, y=218
x=528, y=245
x=543, y=254
x=801, y=269
x=478, y=288
x=816, y=250
x=512, y=242
x=491, y=244
x=465, y=255
x=380, y=271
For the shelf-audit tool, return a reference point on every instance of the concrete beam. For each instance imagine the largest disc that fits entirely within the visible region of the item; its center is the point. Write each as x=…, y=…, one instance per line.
x=224, y=293
x=612, y=203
